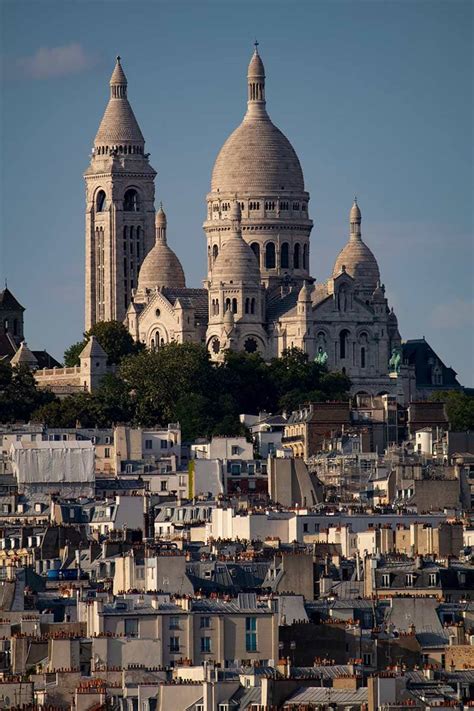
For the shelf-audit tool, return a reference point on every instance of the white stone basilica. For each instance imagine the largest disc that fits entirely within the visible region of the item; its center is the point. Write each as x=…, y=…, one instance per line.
x=258, y=295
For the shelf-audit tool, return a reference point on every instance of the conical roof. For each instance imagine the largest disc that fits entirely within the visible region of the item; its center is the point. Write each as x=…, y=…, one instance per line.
x=93, y=349
x=119, y=125
x=8, y=301
x=24, y=356
x=257, y=157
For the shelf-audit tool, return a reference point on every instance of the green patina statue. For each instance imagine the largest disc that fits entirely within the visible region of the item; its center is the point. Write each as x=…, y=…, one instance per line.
x=395, y=360
x=322, y=357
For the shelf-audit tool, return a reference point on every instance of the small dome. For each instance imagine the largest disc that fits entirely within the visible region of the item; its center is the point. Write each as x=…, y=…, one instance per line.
x=160, y=219
x=356, y=258
x=359, y=262
x=236, y=262
x=355, y=214
x=305, y=292
x=256, y=68
x=161, y=268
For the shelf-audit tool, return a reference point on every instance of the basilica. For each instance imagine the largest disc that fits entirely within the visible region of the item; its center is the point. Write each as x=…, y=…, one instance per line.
x=258, y=295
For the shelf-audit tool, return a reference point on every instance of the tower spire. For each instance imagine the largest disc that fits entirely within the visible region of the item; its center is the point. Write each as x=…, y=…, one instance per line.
x=355, y=219
x=256, y=84
x=118, y=81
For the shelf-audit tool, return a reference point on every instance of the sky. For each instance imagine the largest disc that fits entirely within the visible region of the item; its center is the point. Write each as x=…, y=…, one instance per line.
x=375, y=96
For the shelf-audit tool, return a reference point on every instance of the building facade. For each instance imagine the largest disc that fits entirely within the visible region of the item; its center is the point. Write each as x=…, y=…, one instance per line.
x=258, y=296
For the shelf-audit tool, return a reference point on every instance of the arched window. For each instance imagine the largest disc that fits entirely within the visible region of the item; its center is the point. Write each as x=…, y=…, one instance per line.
x=215, y=252
x=305, y=256
x=255, y=247
x=227, y=304
x=252, y=306
x=270, y=256
x=362, y=357
x=234, y=306
x=130, y=201
x=296, y=256
x=247, y=305
x=284, y=256
x=343, y=336
x=101, y=202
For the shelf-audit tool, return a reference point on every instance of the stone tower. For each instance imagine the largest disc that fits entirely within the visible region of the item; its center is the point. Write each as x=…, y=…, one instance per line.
x=236, y=296
x=120, y=213
x=258, y=166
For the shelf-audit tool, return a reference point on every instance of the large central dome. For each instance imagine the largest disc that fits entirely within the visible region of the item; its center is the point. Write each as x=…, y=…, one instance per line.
x=257, y=157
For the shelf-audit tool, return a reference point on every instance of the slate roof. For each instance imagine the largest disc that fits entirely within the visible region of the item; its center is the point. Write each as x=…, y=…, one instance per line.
x=8, y=301
x=278, y=307
x=419, y=353
x=197, y=298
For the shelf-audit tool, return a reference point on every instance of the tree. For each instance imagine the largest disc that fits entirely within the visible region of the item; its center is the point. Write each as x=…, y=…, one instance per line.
x=19, y=394
x=159, y=379
x=459, y=409
x=114, y=339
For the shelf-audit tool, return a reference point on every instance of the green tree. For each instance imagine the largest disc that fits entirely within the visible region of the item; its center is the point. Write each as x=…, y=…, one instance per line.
x=19, y=394
x=114, y=339
x=459, y=409
x=159, y=379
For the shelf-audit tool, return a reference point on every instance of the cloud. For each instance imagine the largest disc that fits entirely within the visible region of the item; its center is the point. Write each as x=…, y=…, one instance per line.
x=49, y=62
x=456, y=314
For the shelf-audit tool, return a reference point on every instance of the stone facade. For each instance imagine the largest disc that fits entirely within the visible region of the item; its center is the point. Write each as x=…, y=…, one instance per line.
x=258, y=295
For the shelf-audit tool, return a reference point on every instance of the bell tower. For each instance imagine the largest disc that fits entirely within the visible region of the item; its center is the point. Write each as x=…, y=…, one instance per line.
x=120, y=212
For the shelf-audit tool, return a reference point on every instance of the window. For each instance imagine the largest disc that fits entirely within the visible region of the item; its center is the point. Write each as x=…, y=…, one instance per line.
x=409, y=580
x=164, y=485
x=284, y=205
x=385, y=580
x=251, y=634
x=270, y=259
x=131, y=627
x=164, y=444
x=284, y=256
x=296, y=256
x=362, y=357
x=174, y=644
x=305, y=256
x=205, y=645
x=107, y=453
x=367, y=659
x=148, y=444
x=432, y=580
x=235, y=449
x=205, y=622
x=101, y=202
x=107, y=439
x=130, y=201
x=234, y=306
x=174, y=622
x=255, y=247
x=343, y=344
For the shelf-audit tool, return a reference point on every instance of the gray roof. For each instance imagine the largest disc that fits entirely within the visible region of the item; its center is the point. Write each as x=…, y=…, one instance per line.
x=324, y=695
x=195, y=298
